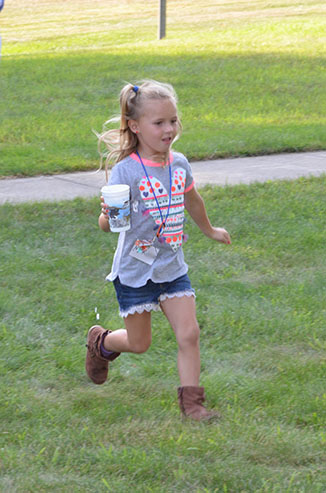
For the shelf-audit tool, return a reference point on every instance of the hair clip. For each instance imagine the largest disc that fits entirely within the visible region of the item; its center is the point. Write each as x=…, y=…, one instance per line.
x=135, y=89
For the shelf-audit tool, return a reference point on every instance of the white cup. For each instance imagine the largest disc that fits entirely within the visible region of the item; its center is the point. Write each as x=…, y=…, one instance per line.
x=117, y=198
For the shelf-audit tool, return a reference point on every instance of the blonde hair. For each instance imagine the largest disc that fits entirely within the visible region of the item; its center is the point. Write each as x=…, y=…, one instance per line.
x=120, y=143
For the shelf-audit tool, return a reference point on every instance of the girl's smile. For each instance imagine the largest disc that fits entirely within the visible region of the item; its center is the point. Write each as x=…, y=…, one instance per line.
x=157, y=128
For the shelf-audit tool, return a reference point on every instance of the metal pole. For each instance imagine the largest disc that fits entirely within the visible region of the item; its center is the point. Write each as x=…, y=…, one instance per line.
x=162, y=19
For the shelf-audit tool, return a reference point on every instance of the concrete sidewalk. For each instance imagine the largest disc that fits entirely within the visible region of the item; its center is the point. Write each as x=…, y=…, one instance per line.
x=218, y=172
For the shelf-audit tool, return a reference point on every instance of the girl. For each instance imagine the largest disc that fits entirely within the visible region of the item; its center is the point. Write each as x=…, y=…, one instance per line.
x=149, y=272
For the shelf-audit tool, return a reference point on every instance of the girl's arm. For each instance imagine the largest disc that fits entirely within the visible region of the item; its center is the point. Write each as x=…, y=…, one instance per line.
x=103, y=220
x=196, y=208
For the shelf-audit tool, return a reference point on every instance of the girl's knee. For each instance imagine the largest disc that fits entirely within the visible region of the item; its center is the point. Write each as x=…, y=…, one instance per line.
x=188, y=336
x=141, y=346
x=139, y=332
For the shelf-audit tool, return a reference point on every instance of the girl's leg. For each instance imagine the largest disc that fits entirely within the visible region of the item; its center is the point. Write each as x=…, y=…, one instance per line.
x=181, y=314
x=136, y=337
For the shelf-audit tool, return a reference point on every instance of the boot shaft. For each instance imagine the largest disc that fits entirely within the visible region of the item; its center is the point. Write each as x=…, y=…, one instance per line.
x=191, y=401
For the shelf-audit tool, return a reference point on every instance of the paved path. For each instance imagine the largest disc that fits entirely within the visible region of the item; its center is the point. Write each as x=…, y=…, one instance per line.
x=218, y=172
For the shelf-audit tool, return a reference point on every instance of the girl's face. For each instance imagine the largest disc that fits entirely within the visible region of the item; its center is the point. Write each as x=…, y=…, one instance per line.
x=156, y=128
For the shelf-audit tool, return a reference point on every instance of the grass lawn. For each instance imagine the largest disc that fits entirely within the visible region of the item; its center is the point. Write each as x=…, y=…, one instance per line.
x=261, y=308
x=250, y=76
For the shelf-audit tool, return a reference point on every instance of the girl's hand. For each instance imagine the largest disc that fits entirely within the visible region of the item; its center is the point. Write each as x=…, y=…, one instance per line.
x=221, y=235
x=103, y=220
x=104, y=207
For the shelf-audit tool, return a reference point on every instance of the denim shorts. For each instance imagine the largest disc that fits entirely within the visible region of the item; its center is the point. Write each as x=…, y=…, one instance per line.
x=148, y=297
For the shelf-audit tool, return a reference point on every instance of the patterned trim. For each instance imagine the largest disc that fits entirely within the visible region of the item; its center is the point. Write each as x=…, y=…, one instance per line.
x=179, y=294
x=148, y=307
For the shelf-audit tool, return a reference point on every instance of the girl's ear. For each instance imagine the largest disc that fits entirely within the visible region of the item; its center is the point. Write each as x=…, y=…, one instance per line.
x=133, y=125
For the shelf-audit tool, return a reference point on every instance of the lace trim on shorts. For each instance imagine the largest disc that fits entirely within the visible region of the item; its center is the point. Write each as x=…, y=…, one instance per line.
x=148, y=307
x=178, y=294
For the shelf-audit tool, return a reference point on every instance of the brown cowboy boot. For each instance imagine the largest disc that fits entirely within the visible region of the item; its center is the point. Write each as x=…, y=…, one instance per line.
x=191, y=404
x=97, y=365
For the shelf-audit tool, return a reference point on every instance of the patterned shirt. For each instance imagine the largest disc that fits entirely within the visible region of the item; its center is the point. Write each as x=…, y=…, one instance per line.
x=169, y=263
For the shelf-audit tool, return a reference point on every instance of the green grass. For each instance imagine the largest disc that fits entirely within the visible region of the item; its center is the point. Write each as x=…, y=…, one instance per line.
x=261, y=308
x=250, y=76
